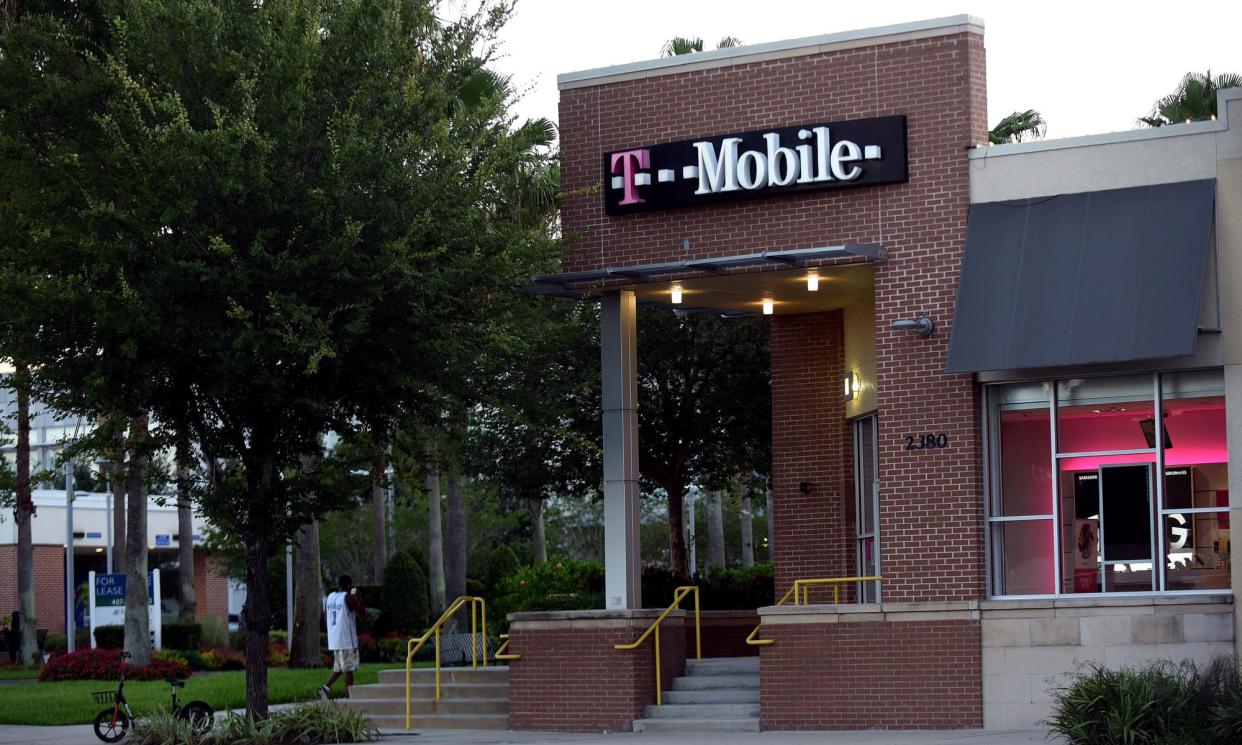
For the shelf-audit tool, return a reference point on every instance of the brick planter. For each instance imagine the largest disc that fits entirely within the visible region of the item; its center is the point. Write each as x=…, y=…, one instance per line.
x=896, y=666
x=570, y=678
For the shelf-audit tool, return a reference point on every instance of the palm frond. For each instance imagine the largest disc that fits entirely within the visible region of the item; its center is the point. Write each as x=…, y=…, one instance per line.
x=1018, y=126
x=679, y=45
x=729, y=42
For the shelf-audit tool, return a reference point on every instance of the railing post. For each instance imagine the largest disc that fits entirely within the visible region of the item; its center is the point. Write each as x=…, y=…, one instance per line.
x=474, y=634
x=409, y=660
x=483, y=612
x=437, y=663
x=659, y=683
x=698, y=631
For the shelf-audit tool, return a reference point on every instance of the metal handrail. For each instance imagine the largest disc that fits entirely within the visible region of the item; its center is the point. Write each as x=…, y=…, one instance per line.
x=679, y=595
x=805, y=586
x=501, y=654
x=478, y=608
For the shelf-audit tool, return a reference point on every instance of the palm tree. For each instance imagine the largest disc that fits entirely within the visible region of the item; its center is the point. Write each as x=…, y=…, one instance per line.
x=1018, y=126
x=1194, y=99
x=679, y=45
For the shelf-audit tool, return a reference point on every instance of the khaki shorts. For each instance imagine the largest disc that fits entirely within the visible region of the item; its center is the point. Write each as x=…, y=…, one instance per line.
x=344, y=660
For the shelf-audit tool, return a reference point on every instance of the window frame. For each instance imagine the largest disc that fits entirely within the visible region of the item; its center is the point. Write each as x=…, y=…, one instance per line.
x=993, y=578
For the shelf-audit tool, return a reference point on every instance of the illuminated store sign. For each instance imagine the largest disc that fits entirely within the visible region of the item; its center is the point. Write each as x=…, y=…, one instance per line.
x=861, y=152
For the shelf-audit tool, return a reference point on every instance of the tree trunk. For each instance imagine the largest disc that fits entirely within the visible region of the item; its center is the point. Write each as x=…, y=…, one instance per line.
x=538, y=542
x=185, y=538
x=258, y=608
x=258, y=612
x=677, y=529
x=748, y=531
x=308, y=598
x=137, y=618
x=770, y=519
x=715, y=530
x=454, y=540
x=379, y=535
x=435, y=544
x=119, y=545
x=23, y=513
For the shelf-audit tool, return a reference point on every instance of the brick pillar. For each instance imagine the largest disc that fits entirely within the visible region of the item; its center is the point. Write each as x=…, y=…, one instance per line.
x=810, y=445
x=570, y=678
x=211, y=589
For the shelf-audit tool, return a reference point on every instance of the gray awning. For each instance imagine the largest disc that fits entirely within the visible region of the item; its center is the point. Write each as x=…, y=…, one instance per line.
x=1104, y=276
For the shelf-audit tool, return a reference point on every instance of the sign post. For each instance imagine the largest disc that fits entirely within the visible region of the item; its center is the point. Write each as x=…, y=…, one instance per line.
x=107, y=604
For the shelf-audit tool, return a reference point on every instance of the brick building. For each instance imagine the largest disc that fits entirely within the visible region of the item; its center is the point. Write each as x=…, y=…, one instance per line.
x=969, y=345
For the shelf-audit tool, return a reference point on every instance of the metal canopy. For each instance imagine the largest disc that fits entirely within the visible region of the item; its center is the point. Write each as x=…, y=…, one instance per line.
x=560, y=284
x=1075, y=279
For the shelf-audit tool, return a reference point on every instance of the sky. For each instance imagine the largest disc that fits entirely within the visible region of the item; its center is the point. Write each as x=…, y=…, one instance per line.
x=1089, y=67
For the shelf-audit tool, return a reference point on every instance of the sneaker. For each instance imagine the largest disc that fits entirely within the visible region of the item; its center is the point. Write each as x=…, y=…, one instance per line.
x=324, y=693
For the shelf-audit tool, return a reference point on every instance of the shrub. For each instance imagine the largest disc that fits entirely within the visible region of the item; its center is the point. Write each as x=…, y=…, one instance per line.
x=181, y=636
x=105, y=664
x=278, y=637
x=237, y=639
x=110, y=637
x=317, y=723
x=500, y=563
x=56, y=644
x=162, y=728
x=391, y=650
x=372, y=595
x=1157, y=704
x=215, y=633
x=740, y=588
x=405, y=608
x=222, y=658
x=277, y=654
x=558, y=584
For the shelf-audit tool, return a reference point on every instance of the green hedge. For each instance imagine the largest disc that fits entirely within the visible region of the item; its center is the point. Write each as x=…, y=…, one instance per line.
x=406, y=605
x=742, y=588
x=187, y=637
x=110, y=637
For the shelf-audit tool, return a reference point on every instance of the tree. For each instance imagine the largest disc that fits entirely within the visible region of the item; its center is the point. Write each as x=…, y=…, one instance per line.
x=137, y=599
x=185, y=532
x=257, y=218
x=1017, y=127
x=23, y=514
x=1193, y=100
x=379, y=523
x=704, y=406
x=679, y=45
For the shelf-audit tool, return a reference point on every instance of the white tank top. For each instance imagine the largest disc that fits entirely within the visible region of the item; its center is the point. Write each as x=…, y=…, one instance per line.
x=342, y=632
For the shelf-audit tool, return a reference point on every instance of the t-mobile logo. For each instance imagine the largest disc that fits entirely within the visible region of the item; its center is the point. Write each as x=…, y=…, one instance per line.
x=627, y=163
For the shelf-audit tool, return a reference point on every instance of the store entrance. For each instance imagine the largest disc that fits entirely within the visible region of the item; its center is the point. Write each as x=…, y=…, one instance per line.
x=866, y=507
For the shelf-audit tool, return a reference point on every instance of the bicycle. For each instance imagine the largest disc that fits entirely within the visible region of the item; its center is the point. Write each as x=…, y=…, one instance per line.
x=113, y=724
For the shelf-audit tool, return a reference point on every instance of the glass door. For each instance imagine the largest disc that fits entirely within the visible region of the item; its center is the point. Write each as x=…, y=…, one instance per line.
x=867, y=507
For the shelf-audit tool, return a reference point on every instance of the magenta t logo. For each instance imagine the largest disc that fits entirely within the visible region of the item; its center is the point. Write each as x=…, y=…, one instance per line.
x=630, y=162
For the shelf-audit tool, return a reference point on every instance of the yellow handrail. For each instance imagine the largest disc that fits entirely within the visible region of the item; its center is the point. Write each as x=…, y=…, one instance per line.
x=805, y=586
x=679, y=595
x=478, y=609
x=501, y=654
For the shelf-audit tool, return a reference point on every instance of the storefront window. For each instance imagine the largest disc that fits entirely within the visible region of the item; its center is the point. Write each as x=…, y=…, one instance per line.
x=1122, y=528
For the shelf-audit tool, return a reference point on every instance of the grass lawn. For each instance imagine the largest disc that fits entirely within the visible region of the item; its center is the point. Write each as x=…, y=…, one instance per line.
x=70, y=702
x=8, y=672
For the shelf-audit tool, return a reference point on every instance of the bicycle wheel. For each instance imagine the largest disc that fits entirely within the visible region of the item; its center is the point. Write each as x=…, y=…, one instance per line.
x=199, y=714
x=111, y=725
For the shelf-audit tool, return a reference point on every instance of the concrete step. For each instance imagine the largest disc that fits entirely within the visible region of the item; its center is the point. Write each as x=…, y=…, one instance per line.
x=703, y=711
x=427, y=691
x=723, y=666
x=445, y=706
x=709, y=682
x=749, y=724
x=713, y=696
x=498, y=674
x=441, y=721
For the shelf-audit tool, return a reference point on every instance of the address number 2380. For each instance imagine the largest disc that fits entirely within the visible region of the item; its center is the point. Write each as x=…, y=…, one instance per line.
x=927, y=442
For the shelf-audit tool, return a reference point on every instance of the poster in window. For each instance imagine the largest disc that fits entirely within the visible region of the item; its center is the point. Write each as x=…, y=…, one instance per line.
x=1086, y=555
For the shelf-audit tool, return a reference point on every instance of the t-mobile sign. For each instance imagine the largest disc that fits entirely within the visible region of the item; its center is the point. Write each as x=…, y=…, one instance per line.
x=861, y=152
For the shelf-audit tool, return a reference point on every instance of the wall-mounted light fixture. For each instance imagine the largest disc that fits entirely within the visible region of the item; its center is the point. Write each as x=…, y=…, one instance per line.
x=768, y=305
x=921, y=324
x=677, y=294
x=812, y=281
x=851, y=385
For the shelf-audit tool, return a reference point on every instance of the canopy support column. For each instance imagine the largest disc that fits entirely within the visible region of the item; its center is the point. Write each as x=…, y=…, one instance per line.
x=619, y=382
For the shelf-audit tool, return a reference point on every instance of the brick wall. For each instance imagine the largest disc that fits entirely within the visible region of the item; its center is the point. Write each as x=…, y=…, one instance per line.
x=813, y=529
x=49, y=569
x=866, y=675
x=931, y=532
x=570, y=678
x=211, y=588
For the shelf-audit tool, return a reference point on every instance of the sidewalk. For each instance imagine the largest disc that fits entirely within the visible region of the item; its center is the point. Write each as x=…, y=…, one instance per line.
x=81, y=734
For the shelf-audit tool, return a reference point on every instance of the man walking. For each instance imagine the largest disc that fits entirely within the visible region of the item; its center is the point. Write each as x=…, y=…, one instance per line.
x=339, y=610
